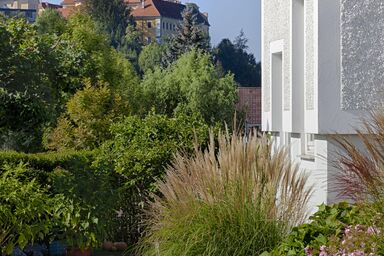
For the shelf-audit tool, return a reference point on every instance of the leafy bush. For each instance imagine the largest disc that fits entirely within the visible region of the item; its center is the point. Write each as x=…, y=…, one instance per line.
x=86, y=193
x=327, y=222
x=225, y=203
x=27, y=211
x=89, y=114
x=356, y=240
x=191, y=85
x=40, y=165
x=139, y=152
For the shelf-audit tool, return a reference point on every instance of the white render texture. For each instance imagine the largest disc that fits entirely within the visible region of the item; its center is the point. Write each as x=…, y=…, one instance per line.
x=362, y=40
x=343, y=76
x=276, y=27
x=309, y=54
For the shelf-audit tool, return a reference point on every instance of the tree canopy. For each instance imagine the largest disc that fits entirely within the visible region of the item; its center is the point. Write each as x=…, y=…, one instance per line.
x=192, y=85
x=189, y=36
x=233, y=57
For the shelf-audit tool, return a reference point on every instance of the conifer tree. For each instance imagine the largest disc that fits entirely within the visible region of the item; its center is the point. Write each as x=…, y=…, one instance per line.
x=189, y=36
x=113, y=16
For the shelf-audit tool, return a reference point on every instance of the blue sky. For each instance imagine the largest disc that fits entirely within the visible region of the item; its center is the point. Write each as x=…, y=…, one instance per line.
x=228, y=17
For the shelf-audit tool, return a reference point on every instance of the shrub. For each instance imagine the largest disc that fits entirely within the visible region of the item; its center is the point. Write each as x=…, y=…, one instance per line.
x=87, y=194
x=90, y=112
x=40, y=165
x=191, y=85
x=27, y=211
x=225, y=203
x=139, y=152
x=356, y=240
x=327, y=222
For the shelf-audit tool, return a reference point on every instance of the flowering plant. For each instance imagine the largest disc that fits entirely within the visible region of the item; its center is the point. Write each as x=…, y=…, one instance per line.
x=358, y=240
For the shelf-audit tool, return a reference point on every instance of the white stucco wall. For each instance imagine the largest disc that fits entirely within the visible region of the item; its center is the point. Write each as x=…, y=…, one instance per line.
x=279, y=22
x=333, y=118
x=362, y=33
x=276, y=27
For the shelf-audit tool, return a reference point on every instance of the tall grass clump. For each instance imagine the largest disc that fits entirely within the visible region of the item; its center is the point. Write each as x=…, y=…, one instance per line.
x=235, y=198
x=362, y=166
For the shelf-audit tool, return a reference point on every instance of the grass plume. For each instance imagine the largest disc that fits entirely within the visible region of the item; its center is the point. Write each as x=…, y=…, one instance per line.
x=235, y=198
x=362, y=168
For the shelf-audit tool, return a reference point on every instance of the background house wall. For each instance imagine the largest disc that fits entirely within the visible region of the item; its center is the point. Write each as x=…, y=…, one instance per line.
x=332, y=63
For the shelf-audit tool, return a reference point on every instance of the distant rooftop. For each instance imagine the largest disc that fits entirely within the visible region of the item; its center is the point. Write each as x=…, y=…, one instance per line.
x=162, y=8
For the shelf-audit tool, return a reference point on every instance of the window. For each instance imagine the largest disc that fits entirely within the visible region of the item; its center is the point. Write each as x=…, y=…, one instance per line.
x=277, y=91
x=308, y=145
x=174, y=27
x=298, y=65
x=163, y=25
x=149, y=24
x=167, y=25
x=149, y=40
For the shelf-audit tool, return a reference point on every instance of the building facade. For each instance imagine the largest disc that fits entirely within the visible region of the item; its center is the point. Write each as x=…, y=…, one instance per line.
x=322, y=73
x=20, y=8
x=158, y=19
x=250, y=104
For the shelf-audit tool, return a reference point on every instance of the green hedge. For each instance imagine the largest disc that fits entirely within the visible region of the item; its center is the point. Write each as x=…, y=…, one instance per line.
x=42, y=164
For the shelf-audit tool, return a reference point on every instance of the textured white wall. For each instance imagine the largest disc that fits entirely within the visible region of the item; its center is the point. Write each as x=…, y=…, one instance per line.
x=276, y=26
x=362, y=33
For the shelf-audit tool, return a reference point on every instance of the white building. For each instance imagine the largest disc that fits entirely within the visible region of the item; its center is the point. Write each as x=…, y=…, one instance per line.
x=323, y=68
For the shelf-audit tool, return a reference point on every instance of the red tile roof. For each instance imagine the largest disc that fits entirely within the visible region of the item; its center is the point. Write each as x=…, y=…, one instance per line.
x=68, y=2
x=67, y=12
x=149, y=10
x=46, y=5
x=250, y=102
x=161, y=8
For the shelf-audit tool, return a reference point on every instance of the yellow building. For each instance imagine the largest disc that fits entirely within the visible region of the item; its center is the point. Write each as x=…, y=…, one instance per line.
x=158, y=19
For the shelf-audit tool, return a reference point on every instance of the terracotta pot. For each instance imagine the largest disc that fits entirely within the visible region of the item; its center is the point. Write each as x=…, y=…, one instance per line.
x=121, y=246
x=80, y=252
x=108, y=246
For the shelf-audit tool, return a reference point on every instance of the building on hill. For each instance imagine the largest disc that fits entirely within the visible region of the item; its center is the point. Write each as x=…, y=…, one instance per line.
x=158, y=19
x=322, y=70
x=69, y=7
x=45, y=6
x=20, y=8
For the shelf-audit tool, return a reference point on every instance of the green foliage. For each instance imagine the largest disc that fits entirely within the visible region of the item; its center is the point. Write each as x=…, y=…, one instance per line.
x=90, y=191
x=234, y=58
x=189, y=36
x=22, y=116
x=139, y=152
x=50, y=22
x=151, y=56
x=83, y=209
x=47, y=162
x=191, y=85
x=85, y=125
x=98, y=61
x=27, y=211
x=327, y=222
x=113, y=17
x=26, y=89
x=140, y=149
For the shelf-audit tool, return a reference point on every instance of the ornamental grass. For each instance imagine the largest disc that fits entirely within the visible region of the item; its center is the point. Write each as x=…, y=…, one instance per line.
x=362, y=164
x=237, y=197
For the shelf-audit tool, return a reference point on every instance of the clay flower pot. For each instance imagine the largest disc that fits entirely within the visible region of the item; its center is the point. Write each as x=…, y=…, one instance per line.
x=121, y=246
x=80, y=252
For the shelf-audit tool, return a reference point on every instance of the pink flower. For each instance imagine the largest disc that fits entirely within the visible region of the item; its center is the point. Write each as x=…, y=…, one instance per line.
x=308, y=251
